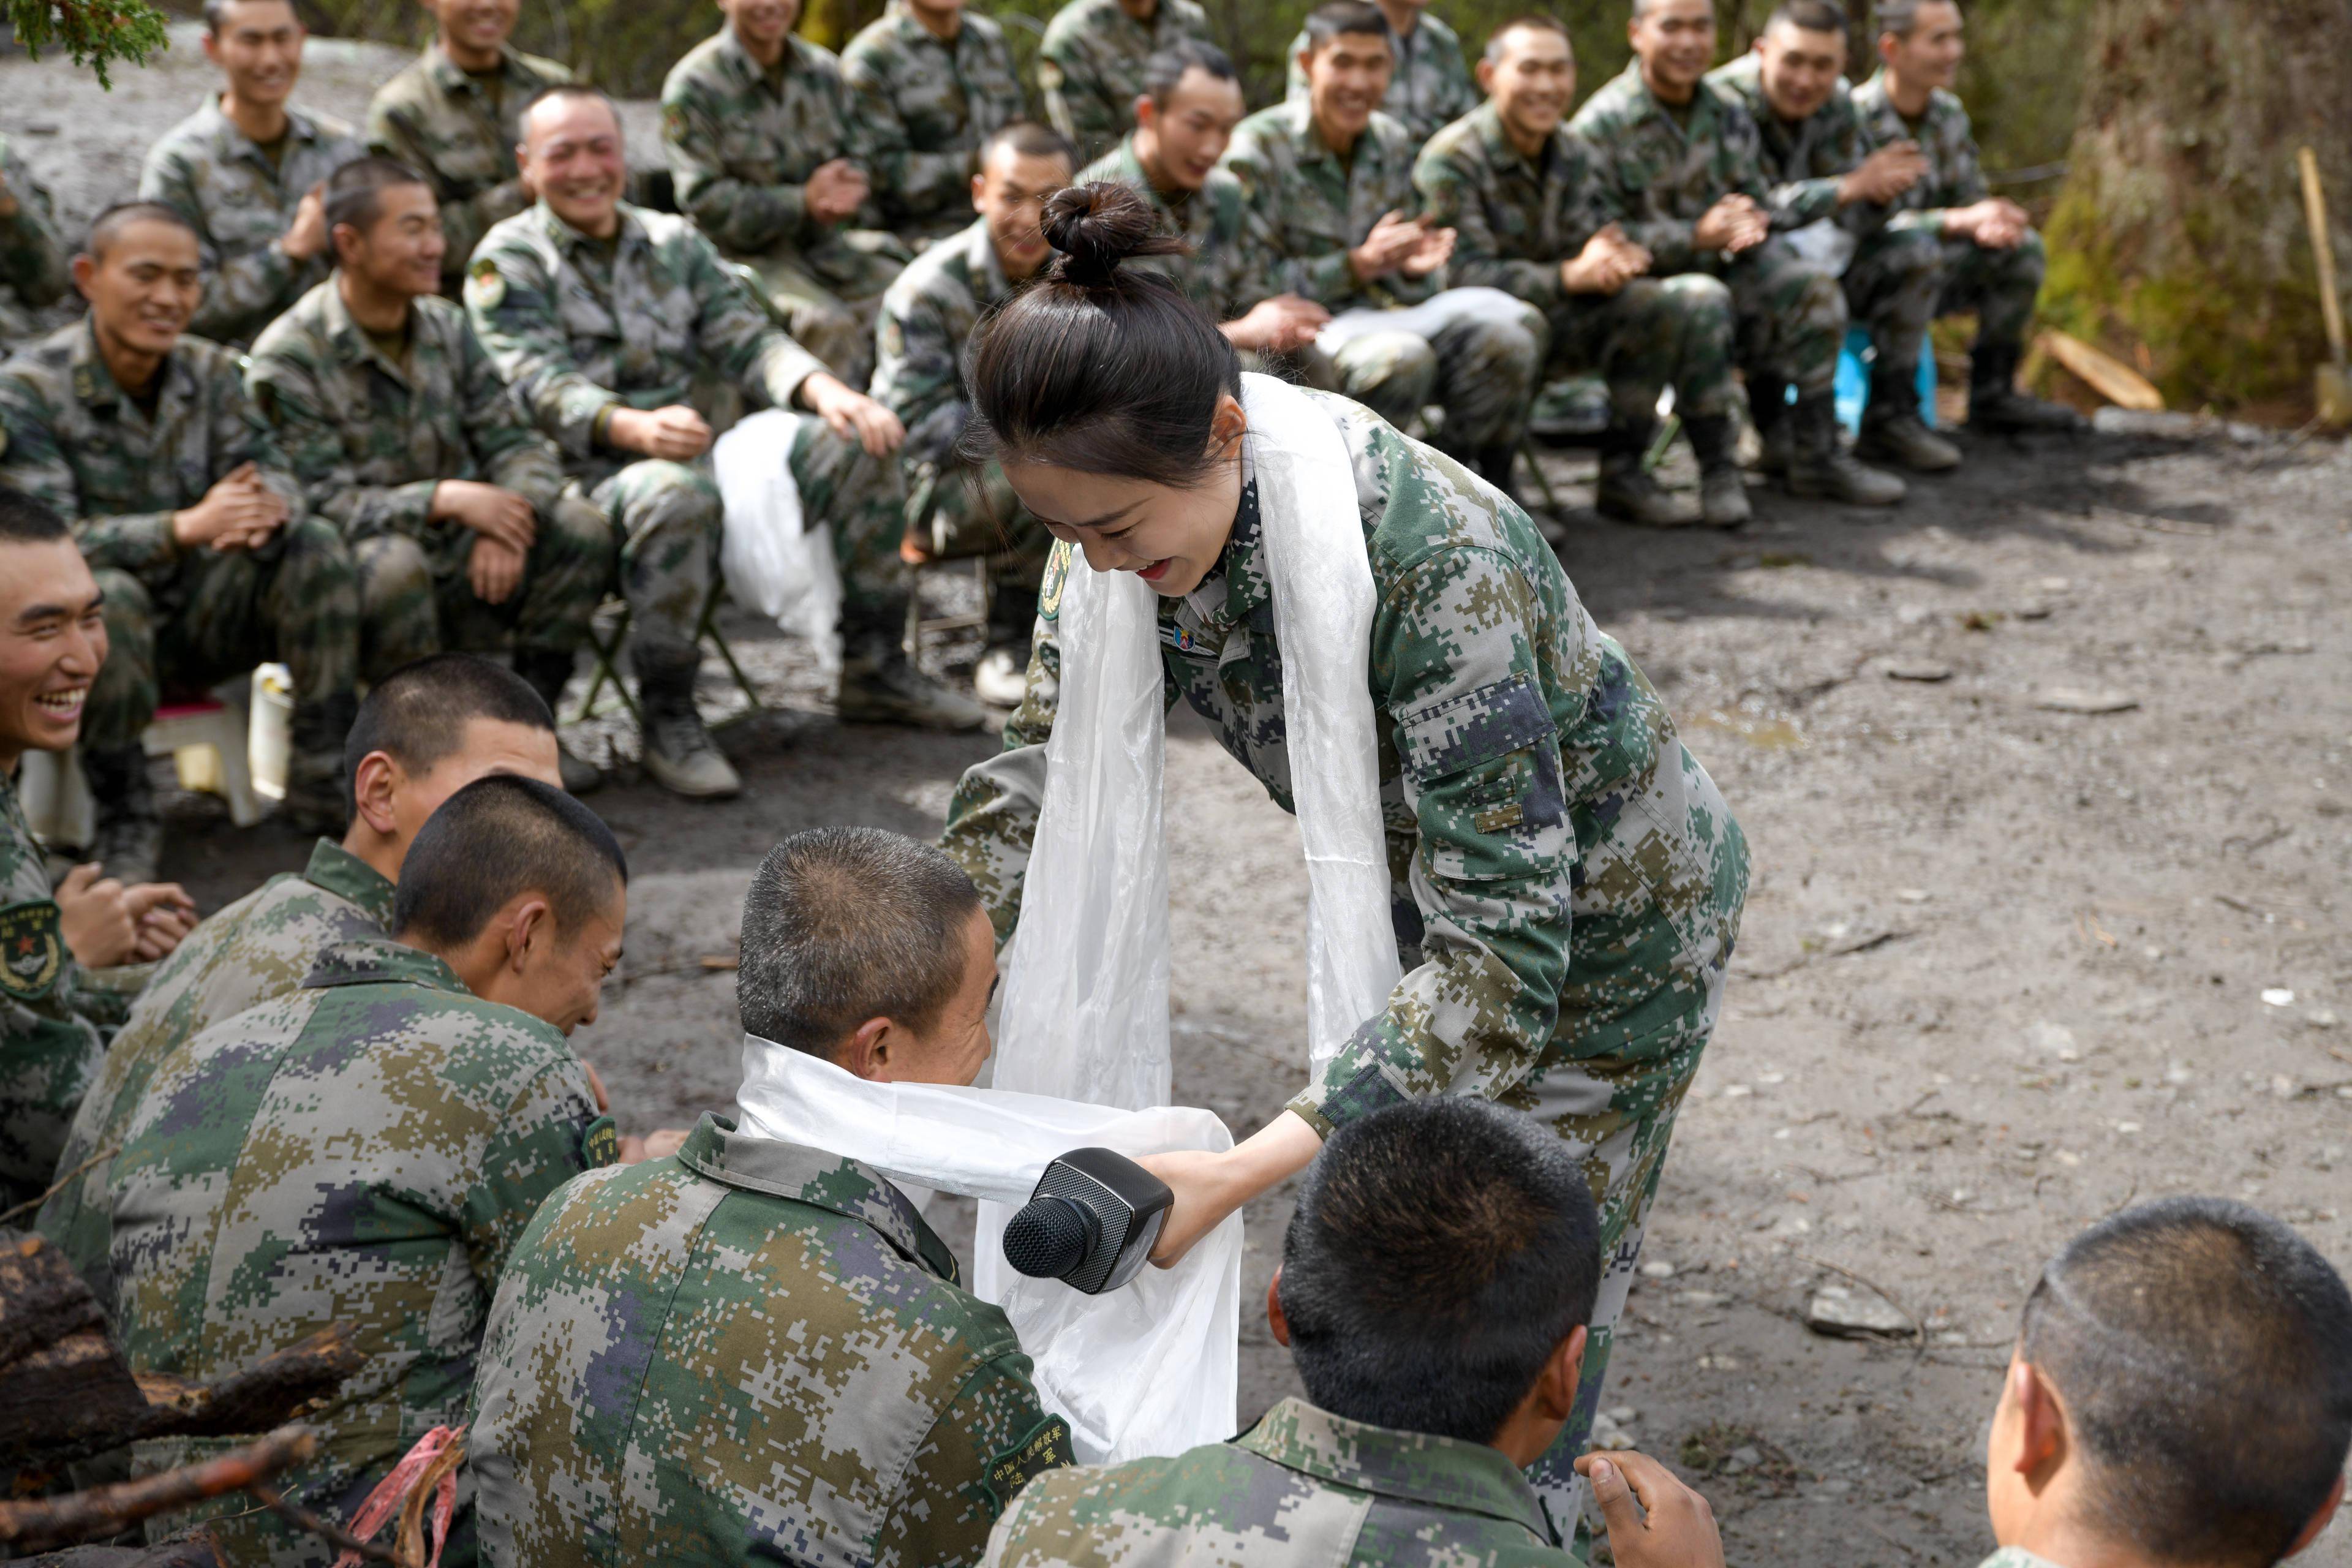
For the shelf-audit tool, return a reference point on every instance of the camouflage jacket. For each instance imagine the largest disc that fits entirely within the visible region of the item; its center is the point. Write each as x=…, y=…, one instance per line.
x=1217, y=275
x=1432, y=86
x=1091, y=67
x=367, y=1150
x=1515, y=220
x=925, y=106
x=749, y=1353
x=1302, y=1488
x=53, y=1026
x=573, y=328
x=1802, y=162
x=1954, y=177
x=1305, y=207
x=927, y=315
x=256, y=950
x=1554, y=895
x=34, y=261
x=1659, y=178
x=370, y=439
x=742, y=145
x=242, y=204
x=72, y=439
x=460, y=134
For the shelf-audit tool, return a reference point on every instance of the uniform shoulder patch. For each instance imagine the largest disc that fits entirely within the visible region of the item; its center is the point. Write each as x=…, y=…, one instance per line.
x=599, y=1143
x=1056, y=577
x=32, y=949
x=1045, y=1448
x=486, y=286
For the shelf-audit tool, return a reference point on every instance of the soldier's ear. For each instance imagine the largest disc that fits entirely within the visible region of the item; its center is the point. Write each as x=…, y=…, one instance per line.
x=85, y=269
x=1277, y=1322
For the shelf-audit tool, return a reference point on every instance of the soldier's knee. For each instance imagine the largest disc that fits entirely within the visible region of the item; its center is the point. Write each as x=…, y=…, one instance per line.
x=1820, y=304
x=124, y=601
x=391, y=568
x=657, y=494
x=2030, y=259
x=1392, y=367
x=317, y=556
x=576, y=530
x=1698, y=297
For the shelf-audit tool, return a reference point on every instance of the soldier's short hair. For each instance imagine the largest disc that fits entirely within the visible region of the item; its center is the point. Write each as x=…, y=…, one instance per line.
x=1168, y=66
x=108, y=226
x=23, y=521
x=417, y=715
x=1028, y=140
x=1526, y=21
x=1339, y=19
x=846, y=924
x=573, y=91
x=1809, y=17
x=2204, y=1354
x=216, y=12
x=355, y=191
x=1441, y=1251
x=499, y=838
x=1900, y=17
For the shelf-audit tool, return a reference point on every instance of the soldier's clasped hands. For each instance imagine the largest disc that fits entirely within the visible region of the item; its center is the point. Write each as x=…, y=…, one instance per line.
x=236, y=513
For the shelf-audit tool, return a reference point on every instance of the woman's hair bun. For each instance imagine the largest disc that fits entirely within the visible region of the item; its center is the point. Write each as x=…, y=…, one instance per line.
x=1096, y=226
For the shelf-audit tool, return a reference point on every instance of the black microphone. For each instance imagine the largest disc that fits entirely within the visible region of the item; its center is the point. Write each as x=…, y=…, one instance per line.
x=1091, y=1223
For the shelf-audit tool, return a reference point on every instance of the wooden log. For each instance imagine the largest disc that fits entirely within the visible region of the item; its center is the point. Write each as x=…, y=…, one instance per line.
x=39, y=1525
x=2103, y=372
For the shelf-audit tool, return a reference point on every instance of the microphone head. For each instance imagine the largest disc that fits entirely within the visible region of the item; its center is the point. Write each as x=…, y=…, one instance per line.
x=1049, y=1237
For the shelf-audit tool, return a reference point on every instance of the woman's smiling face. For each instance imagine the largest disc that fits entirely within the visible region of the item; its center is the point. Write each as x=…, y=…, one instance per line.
x=1168, y=536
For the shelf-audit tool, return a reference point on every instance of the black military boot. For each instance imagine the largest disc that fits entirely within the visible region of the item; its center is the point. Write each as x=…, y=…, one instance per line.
x=1722, y=493
x=1819, y=466
x=678, y=751
x=547, y=671
x=317, y=797
x=1627, y=491
x=127, y=838
x=1995, y=403
x=1892, y=430
x=1767, y=407
x=880, y=685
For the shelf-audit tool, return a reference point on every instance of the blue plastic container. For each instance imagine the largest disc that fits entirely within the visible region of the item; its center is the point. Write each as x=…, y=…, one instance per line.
x=1853, y=382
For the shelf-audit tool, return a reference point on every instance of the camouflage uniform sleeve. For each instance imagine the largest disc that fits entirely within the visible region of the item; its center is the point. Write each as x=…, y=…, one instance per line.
x=513, y=454
x=993, y=816
x=1449, y=198
x=1076, y=100
x=510, y=303
x=739, y=336
x=920, y=180
x=33, y=463
x=1961, y=180
x=284, y=388
x=735, y=213
x=979, y=1452
x=915, y=375
x=238, y=290
x=1324, y=279
x=50, y=1044
x=1461, y=92
x=541, y=1143
x=240, y=436
x=33, y=260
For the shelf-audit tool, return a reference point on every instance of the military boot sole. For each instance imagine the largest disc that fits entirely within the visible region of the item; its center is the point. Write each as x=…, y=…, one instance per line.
x=947, y=710
x=1874, y=490
x=1724, y=504
x=1649, y=513
x=707, y=775
x=580, y=775
x=1933, y=456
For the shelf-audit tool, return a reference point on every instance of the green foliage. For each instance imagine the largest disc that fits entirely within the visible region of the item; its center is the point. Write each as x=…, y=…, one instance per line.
x=98, y=34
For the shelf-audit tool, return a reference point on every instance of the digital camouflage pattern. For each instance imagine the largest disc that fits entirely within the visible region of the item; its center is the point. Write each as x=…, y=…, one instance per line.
x=575, y=331
x=1302, y=1488
x=1432, y=86
x=749, y=1351
x=1516, y=220
x=742, y=142
x=924, y=106
x=1215, y=274
x=1659, y=176
x=1091, y=67
x=460, y=133
x=242, y=204
x=367, y=1150
x=256, y=950
x=1565, y=880
x=78, y=443
x=53, y=1026
x=371, y=436
x=35, y=263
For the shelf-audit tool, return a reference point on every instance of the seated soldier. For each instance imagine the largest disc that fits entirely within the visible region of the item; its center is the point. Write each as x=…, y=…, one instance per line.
x=1436, y=1283
x=930, y=79
x=423, y=733
x=247, y=172
x=1091, y=66
x=927, y=315
x=1326, y=186
x=757, y=1348
x=34, y=270
x=369, y=1149
x=1522, y=197
x=1822, y=171
x=1185, y=112
x=454, y=115
x=182, y=505
x=1992, y=255
x=1680, y=169
x=605, y=319
x=760, y=141
x=462, y=527
x=2180, y=1392
x=1431, y=86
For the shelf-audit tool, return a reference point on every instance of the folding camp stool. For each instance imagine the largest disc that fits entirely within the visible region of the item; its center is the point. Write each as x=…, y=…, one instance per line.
x=606, y=650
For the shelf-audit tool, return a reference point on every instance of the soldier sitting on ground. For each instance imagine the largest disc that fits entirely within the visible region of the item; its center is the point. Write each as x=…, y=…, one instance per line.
x=454, y=115
x=424, y=733
x=1993, y=260
x=1327, y=185
x=951, y=508
x=1524, y=199
x=763, y=147
x=2180, y=1392
x=931, y=78
x=369, y=1149
x=1431, y=86
x=1681, y=170
x=462, y=526
x=1091, y=65
x=757, y=1348
x=248, y=172
x=1436, y=1278
x=606, y=321
x=143, y=437
x=34, y=261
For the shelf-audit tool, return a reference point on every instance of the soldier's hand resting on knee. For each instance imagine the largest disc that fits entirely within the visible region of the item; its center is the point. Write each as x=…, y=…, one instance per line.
x=488, y=510
x=852, y=415
x=1996, y=223
x=676, y=434
x=834, y=190
x=1607, y=263
x=494, y=567
x=1276, y=325
x=1733, y=225
x=238, y=512
x=1654, y=1521
x=1884, y=174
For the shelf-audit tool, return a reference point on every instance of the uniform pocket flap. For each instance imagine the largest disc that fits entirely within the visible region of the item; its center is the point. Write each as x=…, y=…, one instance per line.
x=1460, y=733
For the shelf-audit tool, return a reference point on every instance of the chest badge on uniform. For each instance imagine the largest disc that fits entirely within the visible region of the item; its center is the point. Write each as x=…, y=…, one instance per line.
x=32, y=949
x=486, y=286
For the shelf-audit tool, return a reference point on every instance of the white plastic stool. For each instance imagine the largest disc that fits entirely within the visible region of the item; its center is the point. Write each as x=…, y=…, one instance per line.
x=209, y=726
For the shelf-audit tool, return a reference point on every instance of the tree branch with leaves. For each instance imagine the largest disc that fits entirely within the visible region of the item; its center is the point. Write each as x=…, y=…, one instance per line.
x=94, y=32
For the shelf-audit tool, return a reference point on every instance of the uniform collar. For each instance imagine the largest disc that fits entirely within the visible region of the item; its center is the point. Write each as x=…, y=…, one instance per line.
x=989, y=283
x=748, y=70
x=1308, y=143
x=94, y=385
x=1414, y=1467
x=337, y=870
x=351, y=342
x=232, y=142
x=830, y=1181
x=450, y=77
x=913, y=32
x=568, y=238
x=1503, y=154
x=1705, y=105
x=380, y=961
x=1237, y=585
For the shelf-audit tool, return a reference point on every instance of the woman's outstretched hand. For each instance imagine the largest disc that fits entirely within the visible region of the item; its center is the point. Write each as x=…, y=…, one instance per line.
x=1209, y=1186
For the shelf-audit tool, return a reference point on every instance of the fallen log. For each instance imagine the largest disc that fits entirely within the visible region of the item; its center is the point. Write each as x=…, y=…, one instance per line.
x=39, y=1525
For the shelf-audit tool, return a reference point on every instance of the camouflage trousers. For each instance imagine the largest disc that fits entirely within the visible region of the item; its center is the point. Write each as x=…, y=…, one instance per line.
x=1652, y=333
x=827, y=298
x=1902, y=279
x=959, y=512
x=294, y=601
x=1999, y=285
x=415, y=598
x=1789, y=320
x=1480, y=371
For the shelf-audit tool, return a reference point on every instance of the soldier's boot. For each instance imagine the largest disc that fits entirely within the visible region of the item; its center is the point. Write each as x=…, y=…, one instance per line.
x=880, y=685
x=1821, y=467
x=1495, y=465
x=1767, y=406
x=127, y=837
x=548, y=672
x=1995, y=403
x=1722, y=492
x=678, y=751
x=1629, y=494
x=1892, y=430
x=317, y=799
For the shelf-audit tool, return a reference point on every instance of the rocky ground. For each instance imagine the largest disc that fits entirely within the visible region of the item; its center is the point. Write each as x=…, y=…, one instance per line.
x=2045, y=774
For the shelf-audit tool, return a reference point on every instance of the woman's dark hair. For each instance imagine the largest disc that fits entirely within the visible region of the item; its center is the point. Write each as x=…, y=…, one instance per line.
x=1096, y=367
